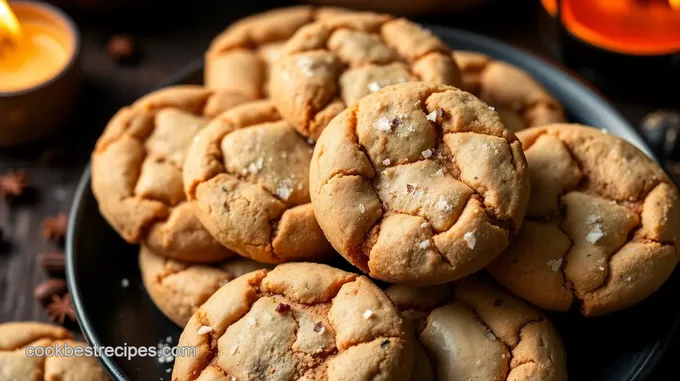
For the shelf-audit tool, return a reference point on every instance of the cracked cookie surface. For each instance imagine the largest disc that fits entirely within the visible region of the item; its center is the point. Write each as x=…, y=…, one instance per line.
x=179, y=288
x=472, y=330
x=239, y=58
x=300, y=321
x=519, y=99
x=247, y=178
x=137, y=171
x=419, y=183
x=602, y=224
x=15, y=365
x=330, y=64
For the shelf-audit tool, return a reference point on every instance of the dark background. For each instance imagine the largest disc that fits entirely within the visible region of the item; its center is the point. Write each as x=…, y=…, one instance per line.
x=170, y=35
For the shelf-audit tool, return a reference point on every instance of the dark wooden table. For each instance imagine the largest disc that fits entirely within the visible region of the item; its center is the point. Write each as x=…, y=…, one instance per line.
x=171, y=38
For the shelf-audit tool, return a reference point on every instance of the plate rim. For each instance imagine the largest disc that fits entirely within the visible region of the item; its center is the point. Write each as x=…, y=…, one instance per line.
x=506, y=52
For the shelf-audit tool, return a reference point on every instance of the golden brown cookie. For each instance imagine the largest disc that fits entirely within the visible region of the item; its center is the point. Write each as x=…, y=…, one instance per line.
x=137, y=171
x=419, y=183
x=300, y=321
x=520, y=100
x=179, y=288
x=332, y=63
x=602, y=224
x=472, y=330
x=239, y=58
x=22, y=345
x=247, y=176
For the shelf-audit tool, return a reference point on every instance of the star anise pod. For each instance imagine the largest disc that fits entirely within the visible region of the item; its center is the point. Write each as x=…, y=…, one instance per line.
x=60, y=309
x=13, y=183
x=54, y=228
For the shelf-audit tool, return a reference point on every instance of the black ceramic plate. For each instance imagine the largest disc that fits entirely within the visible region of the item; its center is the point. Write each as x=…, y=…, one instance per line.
x=620, y=347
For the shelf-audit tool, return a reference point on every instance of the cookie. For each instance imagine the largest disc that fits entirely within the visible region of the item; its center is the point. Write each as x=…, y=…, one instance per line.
x=137, y=171
x=330, y=64
x=601, y=228
x=246, y=177
x=179, y=288
x=300, y=321
x=519, y=99
x=419, y=183
x=239, y=58
x=21, y=357
x=472, y=330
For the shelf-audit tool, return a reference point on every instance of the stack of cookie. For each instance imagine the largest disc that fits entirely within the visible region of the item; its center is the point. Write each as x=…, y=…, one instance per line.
x=324, y=134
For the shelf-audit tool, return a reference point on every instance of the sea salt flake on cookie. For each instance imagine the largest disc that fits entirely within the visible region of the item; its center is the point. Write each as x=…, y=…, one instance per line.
x=285, y=189
x=595, y=234
x=427, y=153
x=368, y=314
x=386, y=162
x=555, y=264
x=362, y=208
x=383, y=124
x=591, y=219
x=444, y=205
x=373, y=87
x=470, y=239
x=424, y=244
x=436, y=114
x=440, y=172
x=204, y=330
x=432, y=117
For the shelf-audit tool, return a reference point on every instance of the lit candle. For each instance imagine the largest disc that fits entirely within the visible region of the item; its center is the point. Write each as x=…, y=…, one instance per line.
x=39, y=71
x=635, y=27
x=34, y=47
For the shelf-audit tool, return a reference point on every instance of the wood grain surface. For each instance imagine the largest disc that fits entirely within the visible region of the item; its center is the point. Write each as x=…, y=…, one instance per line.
x=171, y=38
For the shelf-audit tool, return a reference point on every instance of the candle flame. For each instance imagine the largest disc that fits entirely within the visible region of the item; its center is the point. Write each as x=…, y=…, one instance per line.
x=675, y=4
x=9, y=25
